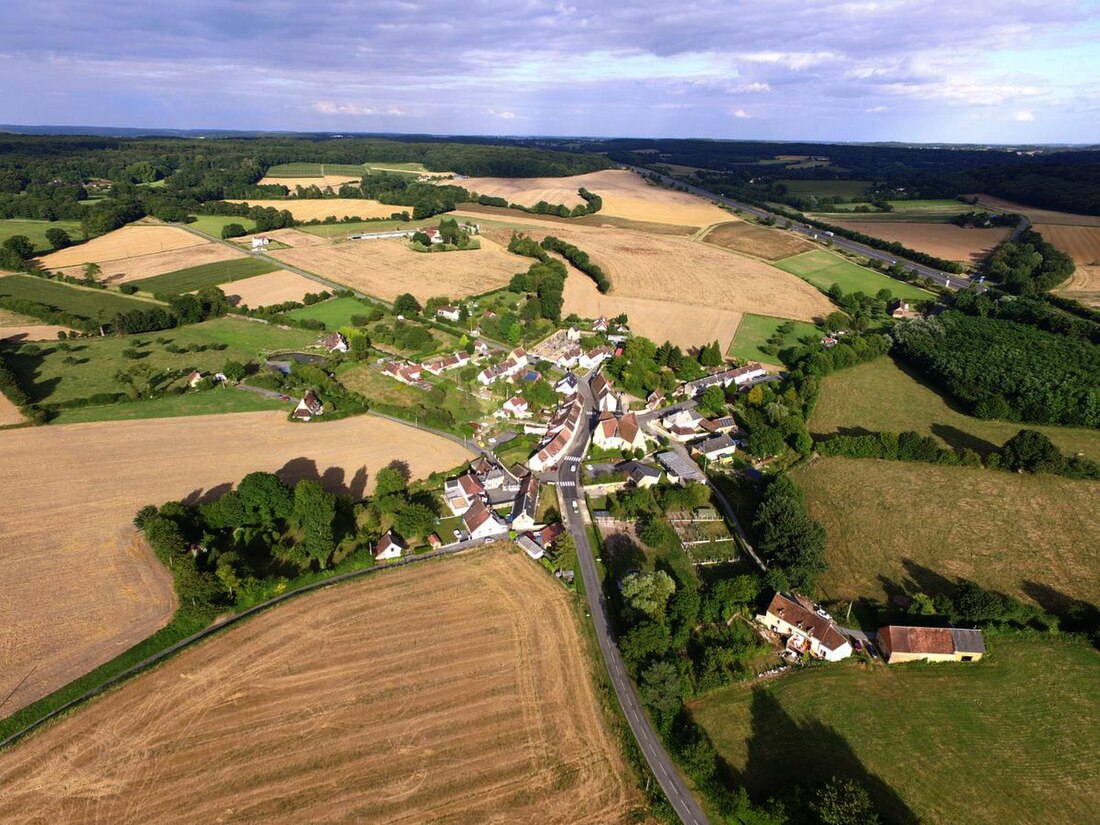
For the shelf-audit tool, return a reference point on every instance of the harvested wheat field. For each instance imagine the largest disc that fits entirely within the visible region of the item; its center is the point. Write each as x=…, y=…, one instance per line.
x=79, y=587
x=624, y=194
x=127, y=242
x=385, y=269
x=272, y=288
x=450, y=691
x=290, y=237
x=32, y=332
x=1083, y=286
x=135, y=268
x=317, y=209
x=758, y=241
x=334, y=181
x=9, y=413
x=944, y=240
x=1082, y=243
x=1036, y=215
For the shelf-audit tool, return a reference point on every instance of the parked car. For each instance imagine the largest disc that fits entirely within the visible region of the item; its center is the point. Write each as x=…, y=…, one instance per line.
x=576, y=509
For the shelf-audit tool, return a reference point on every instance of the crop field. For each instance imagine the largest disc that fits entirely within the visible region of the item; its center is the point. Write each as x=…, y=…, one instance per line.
x=196, y=277
x=83, y=301
x=273, y=288
x=885, y=395
x=213, y=224
x=823, y=269
x=944, y=240
x=757, y=241
x=386, y=269
x=125, y=270
x=1083, y=285
x=1006, y=740
x=897, y=526
x=31, y=332
x=317, y=209
x=80, y=586
x=755, y=330
x=128, y=242
x=342, y=230
x=827, y=188
x=35, y=231
x=1082, y=243
x=1036, y=215
x=316, y=170
x=9, y=413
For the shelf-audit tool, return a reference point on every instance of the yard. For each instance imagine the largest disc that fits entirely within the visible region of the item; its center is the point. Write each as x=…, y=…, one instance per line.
x=755, y=330
x=1008, y=740
x=823, y=269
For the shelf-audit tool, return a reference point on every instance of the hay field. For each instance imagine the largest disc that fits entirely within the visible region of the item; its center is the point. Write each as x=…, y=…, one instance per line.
x=757, y=241
x=1082, y=243
x=290, y=237
x=1036, y=215
x=128, y=242
x=272, y=288
x=31, y=332
x=124, y=270
x=944, y=240
x=305, y=209
x=79, y=588
x=454, y=691
x=321, y=182
x=9, y=413
x=1083, y=285
x=385, y=269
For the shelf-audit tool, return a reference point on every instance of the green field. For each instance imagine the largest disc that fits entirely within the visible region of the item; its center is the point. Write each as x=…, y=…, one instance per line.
x=197, y=277
x=886, y=395
x=823, y=269
x=931, y=210
x=333, y=314
x=90, y=365
x=339, y=230
x=220, y=400
x=212, y=224
x=86, y=302
x=315, y=170
x=755, y=330
x=394, y=398
x=827, y=188
x=1012, y=739
x=35, y=231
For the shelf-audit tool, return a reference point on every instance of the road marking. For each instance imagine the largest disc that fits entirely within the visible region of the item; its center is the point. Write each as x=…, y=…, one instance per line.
x=567, y=484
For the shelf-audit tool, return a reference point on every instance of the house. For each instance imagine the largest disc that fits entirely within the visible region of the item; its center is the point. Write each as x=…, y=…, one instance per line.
x=405, y=373
x=716, y=448
x=605, y=397
x=683, y=425
x=560, y=431
x=525, y=505
x=549, y=534
x=930, y=644
x=900, y=309
x=193, y=379
x=516, y=407
x=680, y=468
x=482, y=523
x=725, y=424
x=600, y=324
x=438, y=366
x=639, y=474
x=618, y=432
x=309, y=406
x=260, y=241
x=654, y=400
x=573, y=334
x=390, y=546
x=567, y=386
x=434, y=541
x=829, y=342
x=807, y=630
x=461, y=493
x=449, y=313
x=569, y=357
x=492, y=476
x=740, y=377
x=594, y=357
x=432, y=232
x=516, y=361
x=335, y=342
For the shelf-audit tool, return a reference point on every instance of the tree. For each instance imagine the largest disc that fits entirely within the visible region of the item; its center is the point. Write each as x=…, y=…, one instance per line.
x=649, y=593
x=233, y=230
x=713, y=401
x=266, y=498
x=1033, y=452
x=19, y=245
x=662, y=690
x=789, y=537
x=843, y=802
x=407, y=305
x=415, y=520
x=92, y=271
x=234, y=370
x=313, y=514
x=711, y=355
x=389, y=480
x=645, y=641
x=58, y=237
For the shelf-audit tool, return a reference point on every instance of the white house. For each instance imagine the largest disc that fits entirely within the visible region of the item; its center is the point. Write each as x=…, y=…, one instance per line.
x=573, y=334
x=682, y=425
x=438, y=366
x=481, y=522
x=461, y=493
x=618, y=432
x=390, y=546
x=600, y=324
x=448, y=312
x=260, y=241
x=516, y=361
x=309, y=406
x=739, y=377
x=335, y=342
x=525, y=504
x=516, y=407
x=807, y=631
x=594, y=357
x=405, y=373
x=567, y=386
x=605, y=397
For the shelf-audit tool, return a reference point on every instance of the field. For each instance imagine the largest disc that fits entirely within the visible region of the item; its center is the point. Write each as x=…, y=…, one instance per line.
x=1007, y=740
x=755, y=330
x=212, y=224
x=35, y=231
x=1083, y=285
x=386, y=269
x=196, y=277
x=320, y=208
x=31, y=332
x=892, y=523
x=1082, y=243
x=339, y=707
x=823, y=269
x=333, y=314
x=87, y=589
x=1035, y=215
x=215, y=402
x=83, y=301
x=272, y=288
x=944, y=240
x=9, y=413
x=342, y=230
x=827, y=188
x=125, y=270
x=128, y=242
x=883, y=395
x=757, y=241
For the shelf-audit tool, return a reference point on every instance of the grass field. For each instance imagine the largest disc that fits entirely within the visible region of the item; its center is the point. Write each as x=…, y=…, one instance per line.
x=196, y=277
x=1011, y=739
x=395, y=398
x=944, y=240
x=214, y=402
x=758, y=241
x=80, y=587
x=342, y=230
x=338, y=707
x=755, y=330
x=334, y=313
x=82, y=301
x=898, y=526
x=885, y=395
x=823, y=269
x=35, y=231
x=827, y=188
x=213, y=224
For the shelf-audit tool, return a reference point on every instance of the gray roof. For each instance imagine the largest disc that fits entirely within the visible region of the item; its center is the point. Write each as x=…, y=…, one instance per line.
x=716, y=442
x=679, y=466
x=967, y=641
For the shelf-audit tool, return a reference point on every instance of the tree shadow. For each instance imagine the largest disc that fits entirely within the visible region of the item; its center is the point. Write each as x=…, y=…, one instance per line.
x=332, y=480
x=960, y=439
x=357, y=487
x=623, y=555
x=299, y=469
x=1074, y=615
x=783, y=752
x=200, y=496
x=401, y=467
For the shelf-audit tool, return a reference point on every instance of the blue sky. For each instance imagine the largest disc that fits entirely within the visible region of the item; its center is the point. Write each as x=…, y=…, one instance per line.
x=1019, y=72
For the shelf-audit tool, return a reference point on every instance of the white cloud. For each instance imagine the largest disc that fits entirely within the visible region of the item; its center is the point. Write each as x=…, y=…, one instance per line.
x=1024, y=117
x=740, y=113
x=327, y=107
x=874, y=110
x=501, y=115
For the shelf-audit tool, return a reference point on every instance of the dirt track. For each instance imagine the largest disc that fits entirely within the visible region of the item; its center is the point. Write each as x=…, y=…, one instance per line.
x=453, y=691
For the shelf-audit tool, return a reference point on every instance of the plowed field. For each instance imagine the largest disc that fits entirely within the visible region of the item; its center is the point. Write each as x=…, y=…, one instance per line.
x=1082, y=243
x=272, y=288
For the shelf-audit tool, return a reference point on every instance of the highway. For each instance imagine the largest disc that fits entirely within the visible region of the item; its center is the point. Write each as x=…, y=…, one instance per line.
x=572, y=496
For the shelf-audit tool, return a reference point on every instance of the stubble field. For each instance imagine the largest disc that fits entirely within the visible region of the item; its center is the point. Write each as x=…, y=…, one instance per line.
x=1082, y=243
x=31, y=332
x=80, y=588
x=455, y=691
x=1083, y=285
x=9, y=413
x=128, y=242
x=758, y=241
x=272, y=288
x=321, y=182
x=320, y=208
x=139, y=267
x=944, y=240
x=1036, y=215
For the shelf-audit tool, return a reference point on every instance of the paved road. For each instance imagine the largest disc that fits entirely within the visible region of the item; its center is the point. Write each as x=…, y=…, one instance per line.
x=568, y=477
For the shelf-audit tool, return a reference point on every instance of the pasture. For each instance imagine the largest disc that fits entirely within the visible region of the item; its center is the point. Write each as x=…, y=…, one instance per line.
x=944, y=240
x=86, y=302
x=1082, y=243
x=273, y=288
x=755, y=330
x=823, y=269
x=827, y=188
x=130, y=241
x=196, y=277
x=333, y=314
x=318, y=209
x=1083, y=285
x=339, y=707
x=757, y=241
x=212, y=402
x=898, y=526
x=82, y=587
x=213, y=224
x=35, y=231
x=1006, y=740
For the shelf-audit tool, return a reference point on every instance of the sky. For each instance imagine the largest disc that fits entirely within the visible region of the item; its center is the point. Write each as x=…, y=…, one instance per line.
x=1026, y=71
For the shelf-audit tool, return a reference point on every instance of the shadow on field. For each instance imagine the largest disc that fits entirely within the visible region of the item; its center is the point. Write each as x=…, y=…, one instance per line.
x=783, y=752
x=200, y=496
x=333, y=479
x=960, y=439
x=1074, y=615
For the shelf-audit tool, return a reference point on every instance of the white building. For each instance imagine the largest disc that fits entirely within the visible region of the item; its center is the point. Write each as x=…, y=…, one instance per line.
x=807, y=631
x=482, y=523
x=390, y=546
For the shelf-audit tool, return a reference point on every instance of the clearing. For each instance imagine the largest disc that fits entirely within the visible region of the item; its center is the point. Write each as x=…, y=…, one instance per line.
x=35, y=231
x=1018, y=724
x=944, y=240
x=82, y=587
x=1083, y=285
x=130, y=241
x=385, y=269
x=194, y=278
x=317, y=209
x=338, y=706
x=898, y=526
x=823, y=269
x=1082, y=243
x=888, y=395
x=757, y=241
x=273, y=288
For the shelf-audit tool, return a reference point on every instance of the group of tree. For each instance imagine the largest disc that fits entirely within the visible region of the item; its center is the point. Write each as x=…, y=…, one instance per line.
x=543, y=282
x=1028, y=265
x=1043, y=312
x=579, y=258
x=788, y=537
x=644, y=367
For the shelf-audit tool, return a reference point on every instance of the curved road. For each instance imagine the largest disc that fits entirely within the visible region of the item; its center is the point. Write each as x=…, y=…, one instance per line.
x=568, y=479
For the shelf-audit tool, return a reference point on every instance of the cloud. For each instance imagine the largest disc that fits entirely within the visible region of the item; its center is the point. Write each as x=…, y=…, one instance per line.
x=740, y=113
x=874, y=110
x=327, y=107
x=502, y=115
x=1024, y=116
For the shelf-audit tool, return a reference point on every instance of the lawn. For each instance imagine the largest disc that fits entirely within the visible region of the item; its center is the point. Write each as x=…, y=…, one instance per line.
x=90, y=365
x=220, y=400
x=1011, y=739
x=196, y=277
x=823, y=269
x=827, y=188
x=755, y=330
x=85, y=302
x=887, y=395
x=333, y=313
x=391, y=397
x=35, y=231
x=212, y=224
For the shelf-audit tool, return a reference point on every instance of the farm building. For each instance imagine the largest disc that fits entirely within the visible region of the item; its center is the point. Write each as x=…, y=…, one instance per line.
x=806, y=630
x=308, y=407
x=449, y=313
x=930, y=644
x=390, y=546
